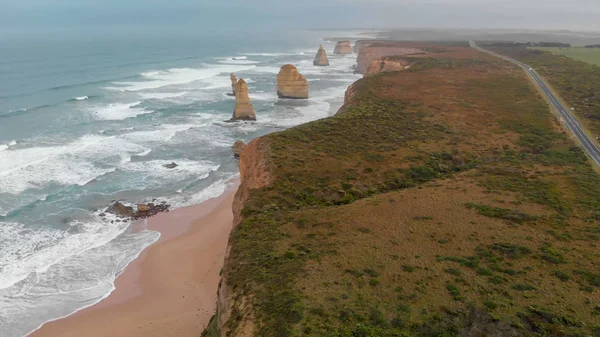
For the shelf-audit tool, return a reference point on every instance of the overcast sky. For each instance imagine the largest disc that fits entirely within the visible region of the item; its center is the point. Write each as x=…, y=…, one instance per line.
x=237, y=14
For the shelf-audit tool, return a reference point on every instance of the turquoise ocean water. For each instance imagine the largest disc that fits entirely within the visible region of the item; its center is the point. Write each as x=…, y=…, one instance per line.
x=87, y=119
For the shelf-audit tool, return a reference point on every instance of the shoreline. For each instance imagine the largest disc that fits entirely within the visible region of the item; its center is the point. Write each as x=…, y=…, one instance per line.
x=172, y=284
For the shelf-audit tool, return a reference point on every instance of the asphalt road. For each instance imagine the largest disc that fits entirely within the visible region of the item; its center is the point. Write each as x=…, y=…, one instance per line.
x=588, y=145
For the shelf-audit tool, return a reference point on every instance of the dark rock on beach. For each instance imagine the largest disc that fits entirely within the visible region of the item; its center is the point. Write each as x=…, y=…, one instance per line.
x=120, y=210
x=142, y=211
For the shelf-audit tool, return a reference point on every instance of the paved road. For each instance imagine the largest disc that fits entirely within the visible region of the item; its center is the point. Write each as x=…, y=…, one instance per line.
x=573, y=125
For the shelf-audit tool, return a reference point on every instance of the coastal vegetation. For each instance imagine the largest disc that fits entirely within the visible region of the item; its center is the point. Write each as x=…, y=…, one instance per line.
x=441, y=201
x=585, y=54
x=575, y=77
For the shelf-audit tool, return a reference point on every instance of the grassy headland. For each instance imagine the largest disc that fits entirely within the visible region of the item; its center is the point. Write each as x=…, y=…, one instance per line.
x=440, y=201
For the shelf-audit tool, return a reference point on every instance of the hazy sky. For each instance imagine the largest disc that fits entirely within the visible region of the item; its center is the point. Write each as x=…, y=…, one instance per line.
x=261, y=14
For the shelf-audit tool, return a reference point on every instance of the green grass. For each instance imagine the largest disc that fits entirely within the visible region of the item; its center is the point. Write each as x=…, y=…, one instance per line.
x=589, y=55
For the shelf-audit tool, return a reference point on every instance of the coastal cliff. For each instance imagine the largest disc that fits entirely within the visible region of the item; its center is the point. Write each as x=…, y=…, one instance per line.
x=291, y=84
x=380, y=50
x=343, y=48
x=388, y=218
x=255, y=173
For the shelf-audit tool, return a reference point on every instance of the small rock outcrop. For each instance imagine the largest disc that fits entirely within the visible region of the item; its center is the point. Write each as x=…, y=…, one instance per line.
x=234, y=81
x=142, y=211
x=237, y=148
x=321, y=58
x=244, y=111
x=291, y=84
x=120, y=210
x=343, y=48
x=170, y=166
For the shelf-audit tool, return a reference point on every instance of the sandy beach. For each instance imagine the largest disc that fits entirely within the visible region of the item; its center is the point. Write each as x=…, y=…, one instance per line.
x=170, y=290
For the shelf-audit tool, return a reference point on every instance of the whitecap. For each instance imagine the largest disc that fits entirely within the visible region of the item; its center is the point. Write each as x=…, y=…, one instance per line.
x=82, y=98
x=161, y=95
x=159, y=79
x=185, y=169
x=76, y=163
x=234, y=61
x=120, y=111
x=143, y=154
x=163, y=133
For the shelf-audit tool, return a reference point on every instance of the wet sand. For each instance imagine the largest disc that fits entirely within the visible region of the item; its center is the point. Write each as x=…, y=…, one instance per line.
x=170, y=290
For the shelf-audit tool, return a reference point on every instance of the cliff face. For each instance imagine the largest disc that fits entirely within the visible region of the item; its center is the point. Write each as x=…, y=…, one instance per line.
x=349, y=95
x=321, y=58
x=255, y=172
x=368, y=54
x=343, y=48
x=386, y=65
x=243, y=106
x=360, y=44
x=291, y=84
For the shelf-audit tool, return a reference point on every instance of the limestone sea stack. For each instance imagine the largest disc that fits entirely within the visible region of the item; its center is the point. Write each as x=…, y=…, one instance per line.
x=291, y=84
x=234, y=81
x=321, y=58
x=244, y=111
x=343, y=48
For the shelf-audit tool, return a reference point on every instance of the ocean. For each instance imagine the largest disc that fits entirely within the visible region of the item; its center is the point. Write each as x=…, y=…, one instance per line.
x=89, y=119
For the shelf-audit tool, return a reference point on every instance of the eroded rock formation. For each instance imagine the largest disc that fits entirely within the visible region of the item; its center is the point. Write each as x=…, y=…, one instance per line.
x=386, y=65
x=291, y=84
x=380, y=50
x=343, y=48
x=321, y=58
x=234, y=81
x=237, y=148
x=243, y=106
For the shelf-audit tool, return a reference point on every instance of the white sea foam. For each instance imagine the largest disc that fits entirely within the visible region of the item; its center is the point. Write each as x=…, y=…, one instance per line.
x=272, y=54
x=212, y=191
x=8, y=145
x=161, y=95
x=162, y=133
x=73, y=163
x=184, y=170
x=82, y=98
x=321, y=104
x=120, y=111
x=263, y=96
x=49, y=273
x=265, y=69
x=175, y=76
x=234, y=61
x=143, y=154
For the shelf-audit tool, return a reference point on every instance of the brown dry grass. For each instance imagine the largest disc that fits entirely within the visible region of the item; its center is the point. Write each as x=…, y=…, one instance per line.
x=397, y=214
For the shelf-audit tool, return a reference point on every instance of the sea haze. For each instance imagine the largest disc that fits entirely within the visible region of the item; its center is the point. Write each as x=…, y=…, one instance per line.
x=85, y=120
